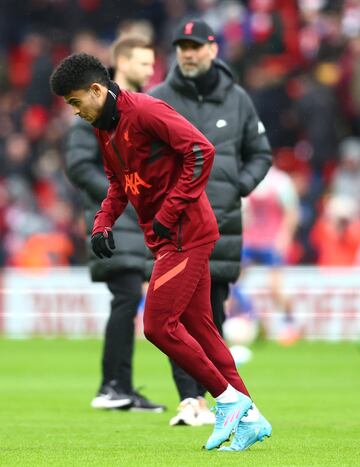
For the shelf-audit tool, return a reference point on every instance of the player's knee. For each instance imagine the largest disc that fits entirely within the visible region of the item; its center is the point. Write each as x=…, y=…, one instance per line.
x=156, y=330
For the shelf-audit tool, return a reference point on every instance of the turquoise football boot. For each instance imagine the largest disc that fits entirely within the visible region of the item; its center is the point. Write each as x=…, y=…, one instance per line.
x=248, y=433
x=227, y=417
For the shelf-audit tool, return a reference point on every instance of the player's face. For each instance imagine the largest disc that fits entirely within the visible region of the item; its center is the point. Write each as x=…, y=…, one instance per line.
x=88, y=104
x=139, y=68
x=195, y=59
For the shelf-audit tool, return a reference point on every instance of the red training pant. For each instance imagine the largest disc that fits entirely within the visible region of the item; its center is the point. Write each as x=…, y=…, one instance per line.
x=178, y=319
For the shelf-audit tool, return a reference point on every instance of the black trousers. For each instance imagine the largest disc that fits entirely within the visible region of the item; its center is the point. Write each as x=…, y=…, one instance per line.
x=118, y=347
x=185, y=384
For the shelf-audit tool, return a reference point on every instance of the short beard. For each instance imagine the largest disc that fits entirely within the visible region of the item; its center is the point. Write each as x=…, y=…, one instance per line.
x=194, y=73
x=190, y=73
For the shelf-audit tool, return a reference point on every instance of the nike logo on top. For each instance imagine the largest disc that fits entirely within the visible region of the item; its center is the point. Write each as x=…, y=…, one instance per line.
x=221, y=123
x=261, y=128
x=162, y=256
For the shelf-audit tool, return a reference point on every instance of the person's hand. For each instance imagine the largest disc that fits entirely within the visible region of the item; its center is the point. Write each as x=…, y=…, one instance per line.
x=101, y=243
x=160, y=230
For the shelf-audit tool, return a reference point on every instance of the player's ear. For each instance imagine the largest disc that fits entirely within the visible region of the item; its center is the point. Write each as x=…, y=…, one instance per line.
x=96, y=89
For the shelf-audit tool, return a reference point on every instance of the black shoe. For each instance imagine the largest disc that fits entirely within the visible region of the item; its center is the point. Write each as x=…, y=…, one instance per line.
x=110, y=396
x=142, y=404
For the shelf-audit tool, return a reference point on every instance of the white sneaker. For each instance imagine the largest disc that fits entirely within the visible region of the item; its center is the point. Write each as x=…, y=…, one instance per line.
x=204, y=416
x=187, y=413
x=110, y=397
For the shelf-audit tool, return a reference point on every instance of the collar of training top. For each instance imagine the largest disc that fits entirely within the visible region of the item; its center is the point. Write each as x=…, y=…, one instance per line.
x=110, y=116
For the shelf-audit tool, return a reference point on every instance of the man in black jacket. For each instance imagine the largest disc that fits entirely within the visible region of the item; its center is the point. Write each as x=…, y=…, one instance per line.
x=124, y=272
x=201, y=88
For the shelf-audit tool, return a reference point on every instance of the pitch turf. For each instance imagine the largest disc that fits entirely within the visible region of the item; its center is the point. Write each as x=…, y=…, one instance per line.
x=310, y=392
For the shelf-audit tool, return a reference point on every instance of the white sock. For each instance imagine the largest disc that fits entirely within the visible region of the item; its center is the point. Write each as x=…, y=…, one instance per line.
x=229, y=395
x=252, y=415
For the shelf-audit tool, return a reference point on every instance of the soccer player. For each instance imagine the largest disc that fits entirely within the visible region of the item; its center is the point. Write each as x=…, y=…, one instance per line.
x=133, y=61
x=201, y=87
x=158, y=161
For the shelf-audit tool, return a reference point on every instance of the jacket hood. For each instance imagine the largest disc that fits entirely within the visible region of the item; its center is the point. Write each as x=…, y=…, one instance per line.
x=187, y=87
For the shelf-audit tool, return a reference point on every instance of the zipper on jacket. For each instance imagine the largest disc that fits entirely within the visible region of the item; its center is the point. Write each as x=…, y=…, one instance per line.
x=179, y=246
x=117, y=152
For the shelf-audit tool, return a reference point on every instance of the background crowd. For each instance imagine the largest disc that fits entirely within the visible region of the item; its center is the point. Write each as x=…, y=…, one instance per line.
x=298, y=59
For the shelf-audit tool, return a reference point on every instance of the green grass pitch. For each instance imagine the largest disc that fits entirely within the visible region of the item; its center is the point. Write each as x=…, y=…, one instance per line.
x=310, y=392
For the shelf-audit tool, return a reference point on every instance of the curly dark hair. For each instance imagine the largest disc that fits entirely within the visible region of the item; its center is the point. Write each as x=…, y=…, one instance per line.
x=78, y=71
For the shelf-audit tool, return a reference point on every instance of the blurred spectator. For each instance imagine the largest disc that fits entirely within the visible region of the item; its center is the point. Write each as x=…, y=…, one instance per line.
x=145, y=30
x=302, y=251
x=336, y=234
x=86, y=41
x=18, y=157
x=266, y=82
x=44, y=250
x=319, y=114
x=139, y=28
x=349, y=88
x=346, y=179
x=265, y=29
x=133, y=60
x=321, y=33
x=34, y=122
x=37, y=91
x=271, y=216
x=350, y=20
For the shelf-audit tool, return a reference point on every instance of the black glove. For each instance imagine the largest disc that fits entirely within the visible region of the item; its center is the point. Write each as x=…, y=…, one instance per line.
x=101, y=242
x=160, y=230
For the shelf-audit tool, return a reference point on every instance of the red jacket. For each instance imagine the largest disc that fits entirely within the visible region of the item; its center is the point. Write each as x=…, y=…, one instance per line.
x=160, y=162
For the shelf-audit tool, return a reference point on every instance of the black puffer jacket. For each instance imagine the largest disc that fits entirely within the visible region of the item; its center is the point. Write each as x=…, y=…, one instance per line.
x=83, y=163
x=243, y=155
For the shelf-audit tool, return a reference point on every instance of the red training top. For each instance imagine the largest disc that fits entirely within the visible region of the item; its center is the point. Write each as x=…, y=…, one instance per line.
x=160, y=162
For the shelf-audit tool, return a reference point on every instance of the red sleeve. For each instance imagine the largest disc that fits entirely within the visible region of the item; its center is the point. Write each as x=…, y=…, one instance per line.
x=113, y=205
x=162, y=121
